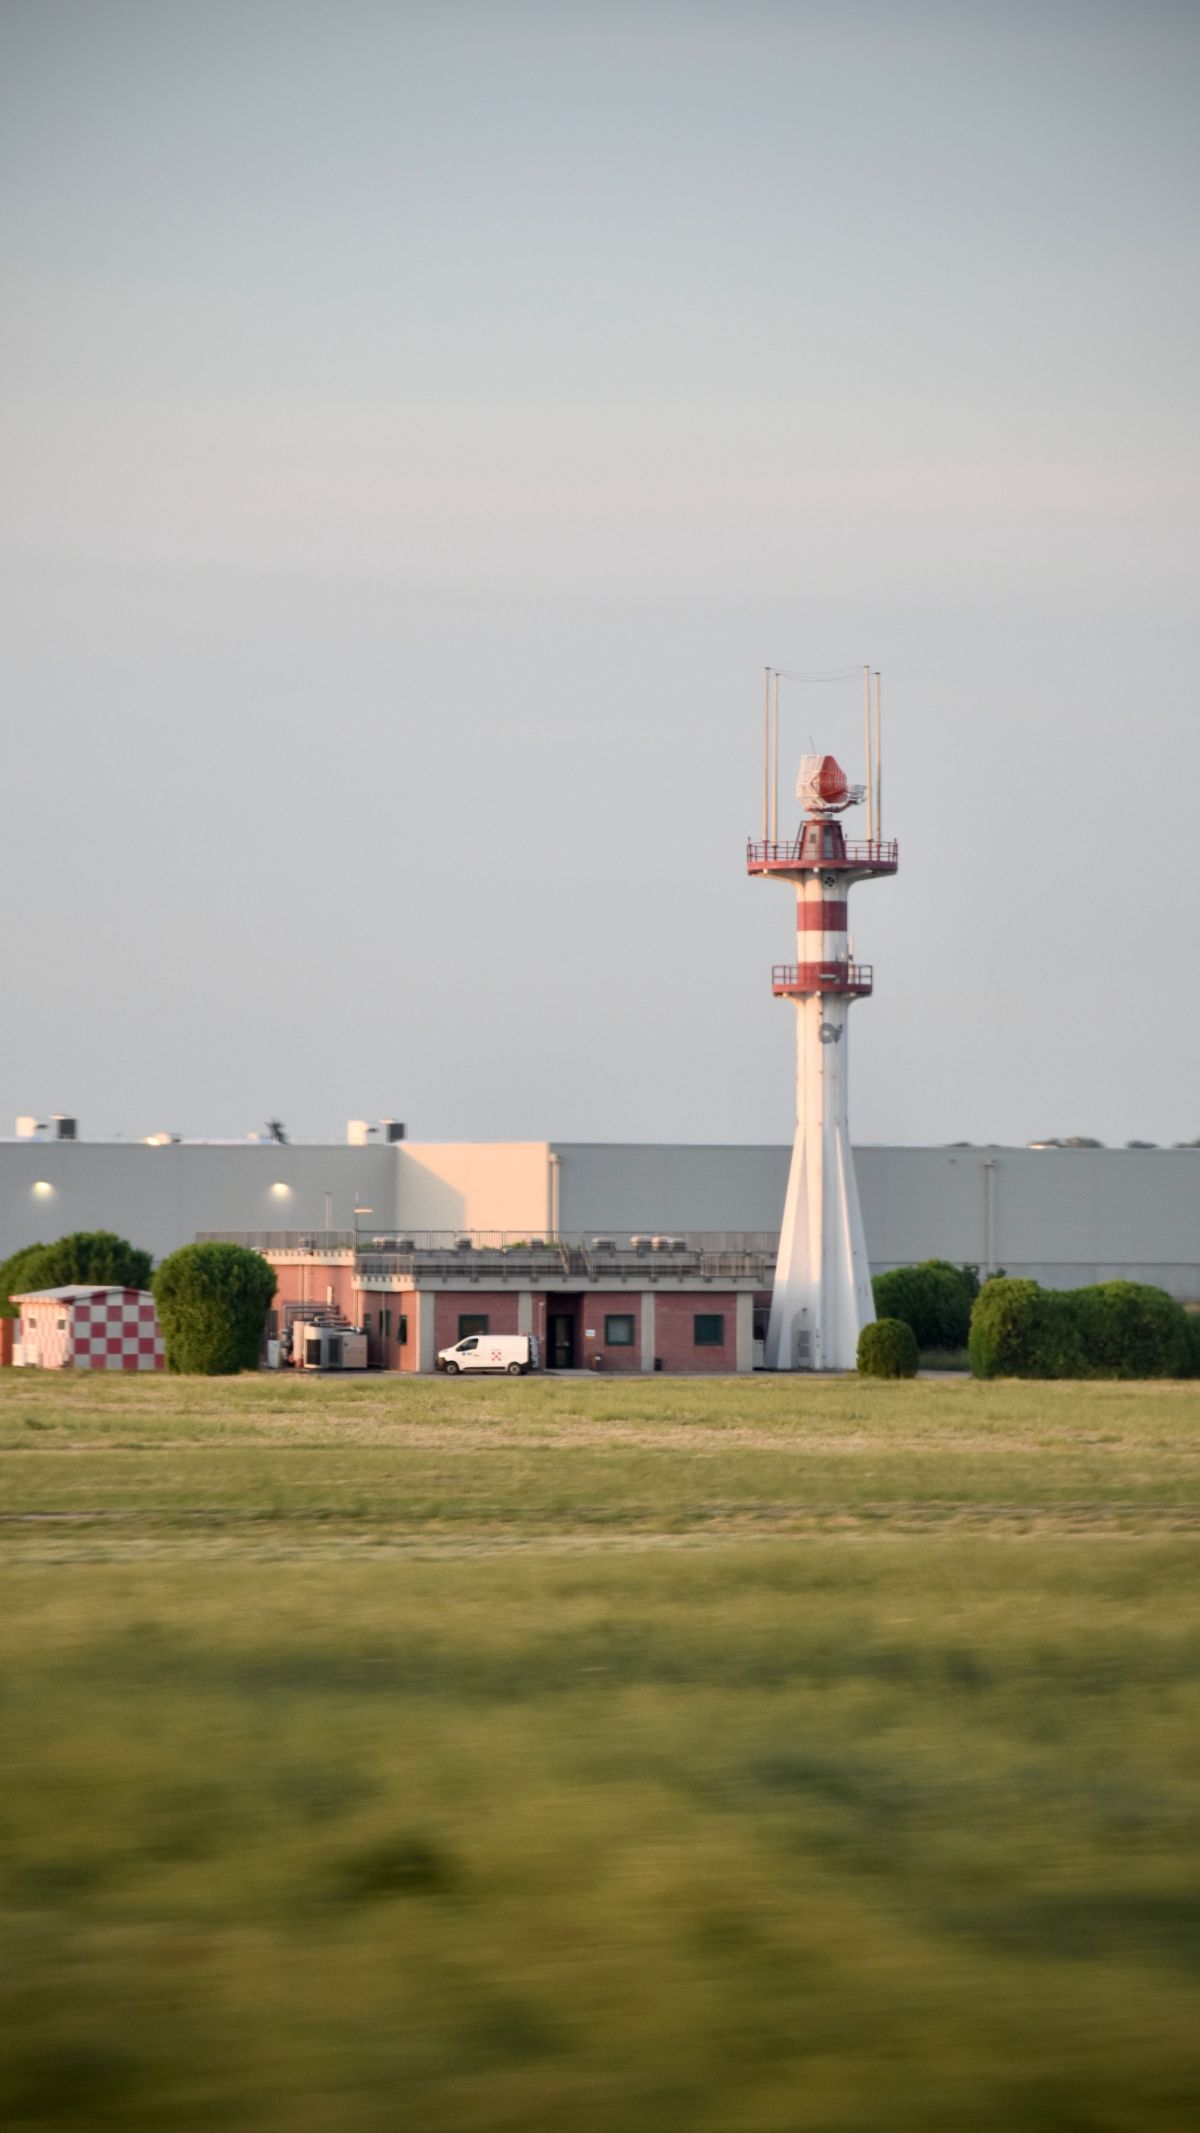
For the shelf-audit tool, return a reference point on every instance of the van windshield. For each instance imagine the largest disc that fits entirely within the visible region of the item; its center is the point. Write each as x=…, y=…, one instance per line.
x=464, y=1345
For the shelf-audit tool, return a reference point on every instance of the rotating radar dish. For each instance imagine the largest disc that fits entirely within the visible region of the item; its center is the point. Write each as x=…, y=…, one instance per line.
x=823, y=787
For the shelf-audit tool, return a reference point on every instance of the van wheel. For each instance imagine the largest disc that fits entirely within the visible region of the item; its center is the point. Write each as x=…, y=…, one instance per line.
x=515, y=1370
x=452, y=1370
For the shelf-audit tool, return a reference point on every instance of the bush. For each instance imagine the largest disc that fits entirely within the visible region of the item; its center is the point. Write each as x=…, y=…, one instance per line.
x=12, y=1277
x=934, y=1298
x=1128, y=1329
x=95, y=1255
x=887, y=1349
x=1019, y=1330
x=1115, y=1329
x=212, y=1304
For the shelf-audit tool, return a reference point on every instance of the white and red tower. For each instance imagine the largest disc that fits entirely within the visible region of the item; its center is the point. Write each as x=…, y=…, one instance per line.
x=822, y=1294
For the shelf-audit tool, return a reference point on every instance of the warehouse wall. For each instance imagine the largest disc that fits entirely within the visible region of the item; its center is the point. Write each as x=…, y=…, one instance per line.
x=160, y=1197
x=630, y=1186
x=474, y=1185
x=1063, y=1215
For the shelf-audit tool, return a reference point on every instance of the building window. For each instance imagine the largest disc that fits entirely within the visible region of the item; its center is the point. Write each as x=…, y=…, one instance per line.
x=710, y=1329
x=618, y=1330
x=366, y=1321
x=402, y=1329
x=762, y=1320
x=385, y=1325
x=471, y=1322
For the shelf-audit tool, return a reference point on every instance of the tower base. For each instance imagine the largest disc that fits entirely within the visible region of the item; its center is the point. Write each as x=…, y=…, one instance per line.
x=822, y=1296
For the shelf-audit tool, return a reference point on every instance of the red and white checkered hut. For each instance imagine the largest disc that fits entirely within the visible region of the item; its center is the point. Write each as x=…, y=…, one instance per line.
x=79, y=1327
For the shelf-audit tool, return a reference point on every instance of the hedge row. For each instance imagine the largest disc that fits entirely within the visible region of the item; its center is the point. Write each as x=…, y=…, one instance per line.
x=1115, y=1329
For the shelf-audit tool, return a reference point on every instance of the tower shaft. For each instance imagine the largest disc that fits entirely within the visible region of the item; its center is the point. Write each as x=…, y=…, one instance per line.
x=822, y=1294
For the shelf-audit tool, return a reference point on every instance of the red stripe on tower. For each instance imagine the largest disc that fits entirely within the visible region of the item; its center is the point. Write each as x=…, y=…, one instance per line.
x=821, y=918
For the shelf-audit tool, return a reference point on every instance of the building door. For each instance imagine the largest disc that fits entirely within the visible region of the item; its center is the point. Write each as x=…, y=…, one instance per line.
x=560, y=1340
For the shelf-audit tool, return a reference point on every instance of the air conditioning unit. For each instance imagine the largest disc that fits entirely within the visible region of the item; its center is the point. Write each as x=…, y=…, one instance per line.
x=328, y=1347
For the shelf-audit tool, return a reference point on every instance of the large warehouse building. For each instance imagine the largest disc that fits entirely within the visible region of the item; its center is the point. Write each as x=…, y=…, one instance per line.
x=1062, y=1215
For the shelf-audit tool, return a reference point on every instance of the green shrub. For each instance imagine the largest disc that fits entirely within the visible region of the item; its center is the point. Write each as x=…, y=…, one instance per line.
x=95, y=1255
x=1019, y=1330
x=12, y=1277
x=887, y=1349
x=969, y=1277
x=933, y=1298
x=212, y=1304
x=1129, y=1329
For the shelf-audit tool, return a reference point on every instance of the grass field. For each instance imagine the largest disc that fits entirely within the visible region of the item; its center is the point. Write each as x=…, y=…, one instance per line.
x=738, y=1757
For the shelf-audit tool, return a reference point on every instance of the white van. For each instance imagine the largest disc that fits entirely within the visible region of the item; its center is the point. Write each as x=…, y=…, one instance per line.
x=514, y=1353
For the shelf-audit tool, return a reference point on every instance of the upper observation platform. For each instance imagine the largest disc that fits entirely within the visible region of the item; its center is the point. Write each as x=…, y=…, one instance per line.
x=820, y=845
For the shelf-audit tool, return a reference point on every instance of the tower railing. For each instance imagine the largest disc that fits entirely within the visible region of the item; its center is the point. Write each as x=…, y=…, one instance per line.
x=511, y=1254
x=876, y=855
x=823, y=977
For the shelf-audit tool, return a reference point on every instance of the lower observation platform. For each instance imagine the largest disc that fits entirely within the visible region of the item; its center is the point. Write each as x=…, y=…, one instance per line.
x=794, y=981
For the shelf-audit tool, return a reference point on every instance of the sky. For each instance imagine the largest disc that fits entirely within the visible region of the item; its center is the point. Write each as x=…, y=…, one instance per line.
x=423, y=424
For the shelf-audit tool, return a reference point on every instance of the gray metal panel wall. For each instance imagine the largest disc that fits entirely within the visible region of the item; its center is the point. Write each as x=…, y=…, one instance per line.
x=930, y=1208
x=1064, y=1216
x=629, y=1186
x=160, y=1197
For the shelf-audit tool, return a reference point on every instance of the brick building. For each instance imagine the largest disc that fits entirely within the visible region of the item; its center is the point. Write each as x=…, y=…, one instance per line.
x=681, y=1304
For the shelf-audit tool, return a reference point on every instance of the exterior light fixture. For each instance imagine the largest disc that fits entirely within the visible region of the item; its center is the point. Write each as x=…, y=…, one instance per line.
x=43, y=1190
x=281, y=1191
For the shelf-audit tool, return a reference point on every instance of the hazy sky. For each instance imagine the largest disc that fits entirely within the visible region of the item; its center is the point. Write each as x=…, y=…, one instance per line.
x=422, y=424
